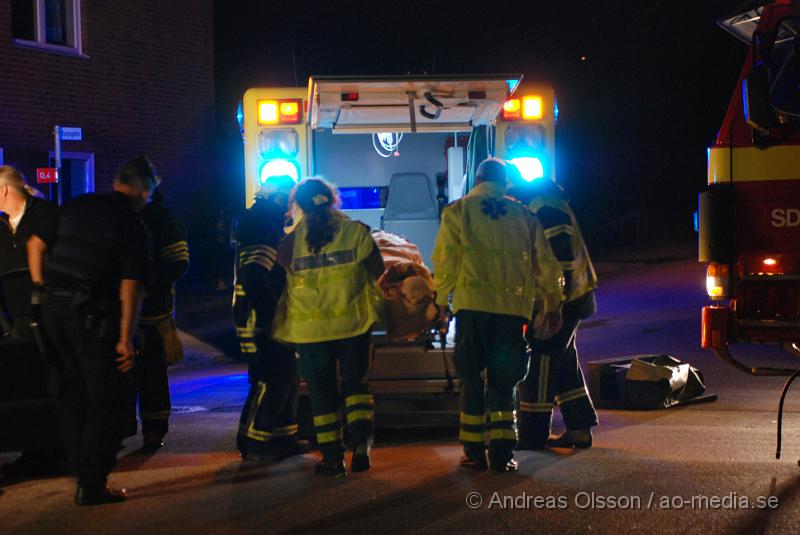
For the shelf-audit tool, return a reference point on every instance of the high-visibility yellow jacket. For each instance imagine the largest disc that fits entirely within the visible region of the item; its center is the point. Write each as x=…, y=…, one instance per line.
x=331, y=294
x=491, y=253
x=562, y=231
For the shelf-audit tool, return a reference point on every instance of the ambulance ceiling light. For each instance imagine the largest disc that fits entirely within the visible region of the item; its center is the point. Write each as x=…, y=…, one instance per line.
x=279, y=168
x=512, y=85
x=530, y=168
x=386, y=143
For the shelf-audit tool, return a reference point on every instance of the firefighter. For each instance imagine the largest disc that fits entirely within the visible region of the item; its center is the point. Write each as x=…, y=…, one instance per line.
x=555, y=373
x=97, y=264
x=268, y=424
x=328, y=310
x=157, y=335
x=492, y=256
x=23, y=215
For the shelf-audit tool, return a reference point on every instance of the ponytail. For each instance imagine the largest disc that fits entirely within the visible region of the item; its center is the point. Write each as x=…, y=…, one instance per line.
x=317, y=199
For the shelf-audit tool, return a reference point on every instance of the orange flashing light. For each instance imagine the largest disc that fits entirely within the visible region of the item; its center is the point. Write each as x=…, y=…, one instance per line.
x=268, y=112
x=532, y=107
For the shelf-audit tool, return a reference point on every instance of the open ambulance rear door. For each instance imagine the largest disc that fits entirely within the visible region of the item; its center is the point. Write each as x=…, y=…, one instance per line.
x=408, y=121
x=406, y=104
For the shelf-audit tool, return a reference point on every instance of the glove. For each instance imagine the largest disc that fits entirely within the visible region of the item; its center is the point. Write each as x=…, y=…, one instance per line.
x=34, y=310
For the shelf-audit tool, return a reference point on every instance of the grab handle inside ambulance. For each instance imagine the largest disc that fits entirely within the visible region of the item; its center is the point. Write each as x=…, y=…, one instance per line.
x=439, y=106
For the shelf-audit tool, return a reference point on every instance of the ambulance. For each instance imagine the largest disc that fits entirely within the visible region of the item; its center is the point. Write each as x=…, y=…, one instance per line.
x=750, y=215
x=399, y=148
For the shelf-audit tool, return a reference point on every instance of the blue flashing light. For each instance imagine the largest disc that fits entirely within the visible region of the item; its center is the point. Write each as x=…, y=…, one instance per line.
x=529, y=168
x=555, y=110
x=512, y=85
x=745, y=102
x=280, y=167
x=240, y=116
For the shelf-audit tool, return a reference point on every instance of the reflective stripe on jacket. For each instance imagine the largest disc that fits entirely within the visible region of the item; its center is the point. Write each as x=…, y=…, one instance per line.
x=491, y=253
x=578, y=269
x=258, y=281
x=330, y=294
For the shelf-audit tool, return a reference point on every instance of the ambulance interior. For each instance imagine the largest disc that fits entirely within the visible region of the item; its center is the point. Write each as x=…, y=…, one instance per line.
x=397, y=152
x=396, y=148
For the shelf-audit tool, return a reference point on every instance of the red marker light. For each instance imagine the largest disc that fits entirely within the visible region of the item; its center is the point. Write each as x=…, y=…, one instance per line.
x=512, y=110
x=349, y=97
x=290, y=111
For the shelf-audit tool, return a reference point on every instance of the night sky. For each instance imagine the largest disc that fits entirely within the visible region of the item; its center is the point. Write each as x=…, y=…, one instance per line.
x=642, y=86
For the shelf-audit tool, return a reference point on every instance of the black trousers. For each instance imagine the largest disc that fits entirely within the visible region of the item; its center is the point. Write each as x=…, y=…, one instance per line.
x=91, y=393
x=152, y=382
x=269, y=415
x=555, y=376
x=318, y=368
x=490, y=360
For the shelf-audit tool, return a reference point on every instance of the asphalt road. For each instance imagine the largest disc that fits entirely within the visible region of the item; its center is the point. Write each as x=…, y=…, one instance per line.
x=706, y=468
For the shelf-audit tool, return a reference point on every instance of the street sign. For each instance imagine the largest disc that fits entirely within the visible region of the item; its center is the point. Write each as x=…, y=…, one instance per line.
x=46, y=175
x=71, y=133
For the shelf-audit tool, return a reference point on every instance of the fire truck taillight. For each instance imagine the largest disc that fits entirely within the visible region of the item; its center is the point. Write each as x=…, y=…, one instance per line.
x=717, y=280
x=532, y=107
x=512, y=109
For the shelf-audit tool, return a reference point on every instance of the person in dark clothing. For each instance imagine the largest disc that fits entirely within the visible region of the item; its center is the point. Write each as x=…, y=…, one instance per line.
x=555, y=374
x=97, y=264
x=23, y=214
x=268, y=424
x=157, y=335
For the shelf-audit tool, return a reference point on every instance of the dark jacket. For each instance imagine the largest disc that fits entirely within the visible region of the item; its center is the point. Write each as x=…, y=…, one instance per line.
x=259, y=280
x=40, y=218
x=100, y=240
x=170, y=261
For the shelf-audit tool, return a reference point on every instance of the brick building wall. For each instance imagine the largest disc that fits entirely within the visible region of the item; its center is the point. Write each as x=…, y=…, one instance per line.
x=145, y=83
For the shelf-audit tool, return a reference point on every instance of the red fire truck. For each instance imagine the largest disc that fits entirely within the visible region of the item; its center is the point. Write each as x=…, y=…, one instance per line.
x=750, y=214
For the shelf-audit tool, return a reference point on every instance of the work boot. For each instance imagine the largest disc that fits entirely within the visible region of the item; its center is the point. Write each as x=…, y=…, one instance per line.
x=258, y=453
x=507, y=466
x=333, y=468
x=502, y=460
x=283, y=449
x=474, y=458
x=86, y=495
x=359, y=462
x=152, y=440
x=571, y=438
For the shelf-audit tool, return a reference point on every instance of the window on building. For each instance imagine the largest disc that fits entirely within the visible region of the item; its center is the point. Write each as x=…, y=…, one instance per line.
x=48, y=24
